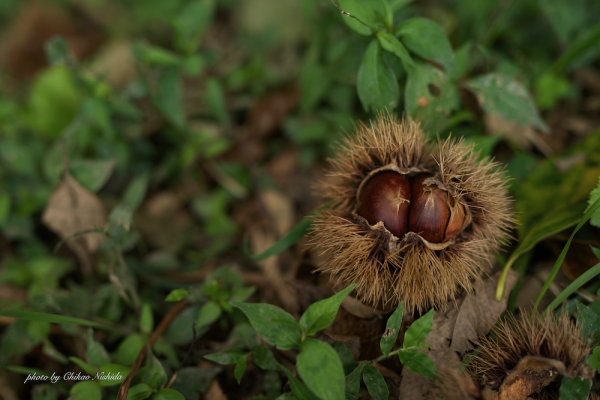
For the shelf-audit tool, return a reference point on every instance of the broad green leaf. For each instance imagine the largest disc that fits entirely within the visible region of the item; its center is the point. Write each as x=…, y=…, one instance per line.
x=135, y=192
x=427, y=39
x=284, y=243
x=376, y=83
x=574, y=388
x=96, y=353
x=168, y=394
x=392, y=329
x=499, y=94
x=177, y=295
x=550, y=88
x=375, y=383
x=346, y=357
x=86, y=390
x=154, y=55
x=273, y=324
x=140, y=391
x=191, y=24
x=240, y=368
x=92, y=174
x=589, y=321
x=153, y=373
x=264, y=358
x=353, y=379
x=209, y=313
x=430, y=96
x=226, y=357
x=419, y=363
x=146, y=319
x=83, y=365
x=111, y=374
x=299, y=389
x=418, y=331
x=393, y=45
x=53, y=318
x=215, y=99
x=129, y=349
x=321, y=314
x=566, y=18
x=594, y=196
x=321, y=369
x=169, y=98
x=369, y=13
x=594, y=359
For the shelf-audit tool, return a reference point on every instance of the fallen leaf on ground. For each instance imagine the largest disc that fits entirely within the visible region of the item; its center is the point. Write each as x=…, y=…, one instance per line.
x=454, y=330
x=72, y=209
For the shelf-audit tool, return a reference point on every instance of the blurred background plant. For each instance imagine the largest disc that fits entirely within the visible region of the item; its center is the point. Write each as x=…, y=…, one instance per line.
x=141, y=142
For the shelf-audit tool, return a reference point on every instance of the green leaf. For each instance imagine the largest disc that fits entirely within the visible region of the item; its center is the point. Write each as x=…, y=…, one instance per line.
x=589, y=321
x=321, y=369
x=575, y=285
x=4, y=208
x=57, y=51
x=86, y=390
x=169, y=98
x=392, y=329
x=596, y=252
x=191, y=24
x=299, y=389
x=376, y=83
x=353, y=380
x=168, y=394
x=574, y=388
x=96, y=353
x=419, y=363
x=427, y=39
x=83, y=365
x=135, y=192
x=282, y=244
x=314, y=84
x=112, y=374
x=153, y=373
x=371, y=14
x=275, y=326
x=418, y=331
x=346, y=357
x=240, y=368
x=209, y=313
x=594, y=359
x=594, y=196
x=393, y=45
x=375, y=383
x=226, y=357
x=215, y=99
x=53, y=318
x=92, y=174
x=321, y=314
x=563, y=254
x=430, y=96
x=140, y=391
x=177, y=295
x=146, y=319
x=129, y=349
x=499, y=94
x=264, y=358
x=154, y=55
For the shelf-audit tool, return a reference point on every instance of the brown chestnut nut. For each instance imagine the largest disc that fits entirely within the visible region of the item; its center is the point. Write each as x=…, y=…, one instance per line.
x=429, y=211
x=385, y=197
x=457, y=219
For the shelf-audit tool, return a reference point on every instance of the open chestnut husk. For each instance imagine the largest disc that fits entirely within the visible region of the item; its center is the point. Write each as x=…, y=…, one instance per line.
x=409, y=220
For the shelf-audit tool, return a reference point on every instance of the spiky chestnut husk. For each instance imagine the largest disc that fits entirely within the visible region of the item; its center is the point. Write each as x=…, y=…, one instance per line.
x=388, y=268
x=551, y=337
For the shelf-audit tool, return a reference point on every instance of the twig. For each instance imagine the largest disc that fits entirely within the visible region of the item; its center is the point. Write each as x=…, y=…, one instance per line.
x=340, y=9
x=164, y=324
x=181, y=364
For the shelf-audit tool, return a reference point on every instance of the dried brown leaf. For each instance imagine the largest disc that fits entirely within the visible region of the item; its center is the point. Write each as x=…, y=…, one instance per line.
x=455, y=329
x=72, y=209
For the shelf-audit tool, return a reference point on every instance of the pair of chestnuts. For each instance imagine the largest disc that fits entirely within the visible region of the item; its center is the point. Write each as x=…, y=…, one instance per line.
x=409, y=219
x=415, y=205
